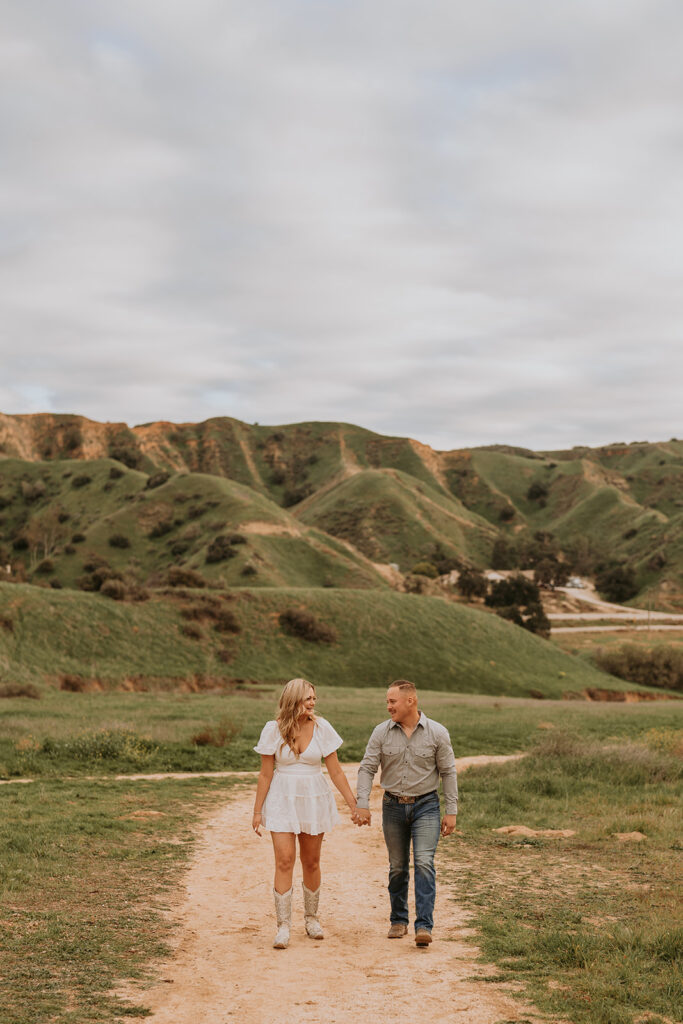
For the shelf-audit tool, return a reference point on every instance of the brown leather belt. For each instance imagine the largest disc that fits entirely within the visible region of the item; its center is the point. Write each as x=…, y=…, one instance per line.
x=408, y=799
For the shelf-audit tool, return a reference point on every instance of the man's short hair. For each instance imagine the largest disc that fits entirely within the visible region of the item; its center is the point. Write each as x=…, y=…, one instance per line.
x=403, y=684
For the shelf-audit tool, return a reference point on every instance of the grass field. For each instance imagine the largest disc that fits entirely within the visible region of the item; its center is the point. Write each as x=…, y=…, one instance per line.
x=589, y=925
x=89, y=864
x=86, y=733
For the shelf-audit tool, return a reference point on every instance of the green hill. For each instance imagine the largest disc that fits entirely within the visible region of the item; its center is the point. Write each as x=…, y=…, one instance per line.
x=198, y=638
x=331, y=498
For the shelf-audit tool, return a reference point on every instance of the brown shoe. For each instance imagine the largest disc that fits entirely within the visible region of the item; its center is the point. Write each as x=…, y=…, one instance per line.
x=397, y=931
x=422, y=937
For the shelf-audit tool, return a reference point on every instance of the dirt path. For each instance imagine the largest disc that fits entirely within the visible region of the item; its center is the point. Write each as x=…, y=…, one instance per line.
x=224, y=968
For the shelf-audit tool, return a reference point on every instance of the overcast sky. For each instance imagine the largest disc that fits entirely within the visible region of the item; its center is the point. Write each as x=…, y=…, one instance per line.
x=459, y=222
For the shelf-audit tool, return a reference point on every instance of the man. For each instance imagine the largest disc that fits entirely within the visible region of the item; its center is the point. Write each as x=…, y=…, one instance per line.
x=414, y=752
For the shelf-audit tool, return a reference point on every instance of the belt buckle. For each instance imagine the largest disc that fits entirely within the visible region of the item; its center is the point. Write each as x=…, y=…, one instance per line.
x=406, y=799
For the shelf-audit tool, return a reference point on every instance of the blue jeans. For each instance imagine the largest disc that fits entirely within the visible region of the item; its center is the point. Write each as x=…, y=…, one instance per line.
x=421, y=823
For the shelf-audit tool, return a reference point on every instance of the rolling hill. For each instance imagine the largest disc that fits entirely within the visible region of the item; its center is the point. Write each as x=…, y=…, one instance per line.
x=324, y=503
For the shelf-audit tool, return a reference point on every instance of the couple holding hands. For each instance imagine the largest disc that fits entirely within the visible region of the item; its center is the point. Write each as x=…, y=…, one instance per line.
x=294, y=800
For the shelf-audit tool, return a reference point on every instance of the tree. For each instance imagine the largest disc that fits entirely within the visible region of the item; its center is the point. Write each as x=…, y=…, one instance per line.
x=44, y=532
x=472, y=583
x=616, y=583
x=551, y=573
x=516, y=589
x=504, y=555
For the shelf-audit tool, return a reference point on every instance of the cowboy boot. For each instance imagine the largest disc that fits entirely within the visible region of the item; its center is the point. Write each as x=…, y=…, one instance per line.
x=283, y=913
x=311, y=899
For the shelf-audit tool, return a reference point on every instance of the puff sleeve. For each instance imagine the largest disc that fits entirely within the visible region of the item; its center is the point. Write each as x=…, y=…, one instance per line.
x=269, y=740
x=329, y=739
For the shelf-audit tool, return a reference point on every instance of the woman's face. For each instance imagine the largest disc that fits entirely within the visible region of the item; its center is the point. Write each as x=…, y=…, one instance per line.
x=309, y=702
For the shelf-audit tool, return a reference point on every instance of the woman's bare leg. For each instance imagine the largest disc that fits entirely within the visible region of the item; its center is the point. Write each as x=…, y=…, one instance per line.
x=309, y=853
x=284, y=848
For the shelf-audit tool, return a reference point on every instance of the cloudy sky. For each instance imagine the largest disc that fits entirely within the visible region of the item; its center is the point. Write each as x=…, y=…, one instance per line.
x=455, y=221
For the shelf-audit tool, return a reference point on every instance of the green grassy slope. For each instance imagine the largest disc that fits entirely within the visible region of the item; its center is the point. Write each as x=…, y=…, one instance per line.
x=381, y=635
x=624, y=500
x=79, y=507
x=392, y=517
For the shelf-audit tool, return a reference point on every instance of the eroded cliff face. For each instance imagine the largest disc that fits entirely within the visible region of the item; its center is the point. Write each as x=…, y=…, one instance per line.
x=42, y=436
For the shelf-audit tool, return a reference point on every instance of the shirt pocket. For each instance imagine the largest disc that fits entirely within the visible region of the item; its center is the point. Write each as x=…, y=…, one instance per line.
x=424, y=754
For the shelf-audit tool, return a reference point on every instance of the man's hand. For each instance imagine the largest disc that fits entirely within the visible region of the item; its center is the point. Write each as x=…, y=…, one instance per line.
x=361, y=816
x=448, y=824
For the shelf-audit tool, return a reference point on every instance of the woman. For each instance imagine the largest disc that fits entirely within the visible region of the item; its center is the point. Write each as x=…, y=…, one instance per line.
x=294, y=800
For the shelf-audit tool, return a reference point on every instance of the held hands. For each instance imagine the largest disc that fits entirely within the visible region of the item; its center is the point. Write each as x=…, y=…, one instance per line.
x=256, y=823
x=360, y=816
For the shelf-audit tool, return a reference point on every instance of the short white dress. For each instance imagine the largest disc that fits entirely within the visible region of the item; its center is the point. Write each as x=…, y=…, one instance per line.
x=299, y=798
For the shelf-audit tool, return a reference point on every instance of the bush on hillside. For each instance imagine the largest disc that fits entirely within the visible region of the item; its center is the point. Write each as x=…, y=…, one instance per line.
x=114, y=589
x=531, y=617
x=659, y=666
x=32, y=490
x=20, y=690
x=119, y=540
x=537, y=492
x=425, y=569
x=220, y=549
x=305, y=626
x=177, y=577
x=616, y=583
x=81, y=481
x=157, y=480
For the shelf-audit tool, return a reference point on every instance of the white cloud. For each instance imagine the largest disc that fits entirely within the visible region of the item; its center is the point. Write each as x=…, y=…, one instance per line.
x=457, y=223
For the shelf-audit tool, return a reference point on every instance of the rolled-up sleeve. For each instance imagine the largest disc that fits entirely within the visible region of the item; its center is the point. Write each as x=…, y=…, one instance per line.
x=445, y=762
x=368, y=767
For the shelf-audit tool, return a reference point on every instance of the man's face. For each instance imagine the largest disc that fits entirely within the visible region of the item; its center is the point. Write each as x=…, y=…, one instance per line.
x=400, y=704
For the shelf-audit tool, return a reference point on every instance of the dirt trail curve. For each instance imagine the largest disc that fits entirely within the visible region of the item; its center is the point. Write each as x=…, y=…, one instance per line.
x=224, y=968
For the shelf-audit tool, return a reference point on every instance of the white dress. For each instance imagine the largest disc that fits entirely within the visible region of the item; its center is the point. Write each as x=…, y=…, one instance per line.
x=299, y=798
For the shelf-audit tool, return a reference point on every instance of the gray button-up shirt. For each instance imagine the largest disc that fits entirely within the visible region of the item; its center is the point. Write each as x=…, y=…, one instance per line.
x=411, y=766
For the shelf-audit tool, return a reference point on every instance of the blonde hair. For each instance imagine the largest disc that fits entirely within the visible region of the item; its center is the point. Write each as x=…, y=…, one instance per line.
x=290, y=708
x=404, y=685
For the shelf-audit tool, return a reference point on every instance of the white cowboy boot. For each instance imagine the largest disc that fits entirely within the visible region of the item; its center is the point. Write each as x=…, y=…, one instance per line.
x=311, y=899
x=283, y=913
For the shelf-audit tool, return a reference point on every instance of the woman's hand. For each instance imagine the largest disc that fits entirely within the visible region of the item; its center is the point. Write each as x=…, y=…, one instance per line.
x=256, y=822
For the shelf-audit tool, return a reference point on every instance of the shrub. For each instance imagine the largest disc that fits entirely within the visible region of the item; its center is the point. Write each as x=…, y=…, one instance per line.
x=56, y=584
x=305, y=626
x=225, y=655
x=157, y=479
x=7, y=623
x=293, y=495
x=277, y=477
x=179, y=547
x=658, y=666
x=63, y=517
x=219, y=735
x=45, y=567
x=537, y=492
x=81, y=481
x=177, y=577
x=20, y=544
x=115, y=589
x=161, y=528
x=219, y=550
x=425, y=569
x=78, y=538
x=128, y=456
x=238, y=538
x=73, y=684
x=69, y=549
x=226, y=621
x=251, y=570
x=119, y=540
x=192, y=630
x=105, y=745
x=19, y=690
